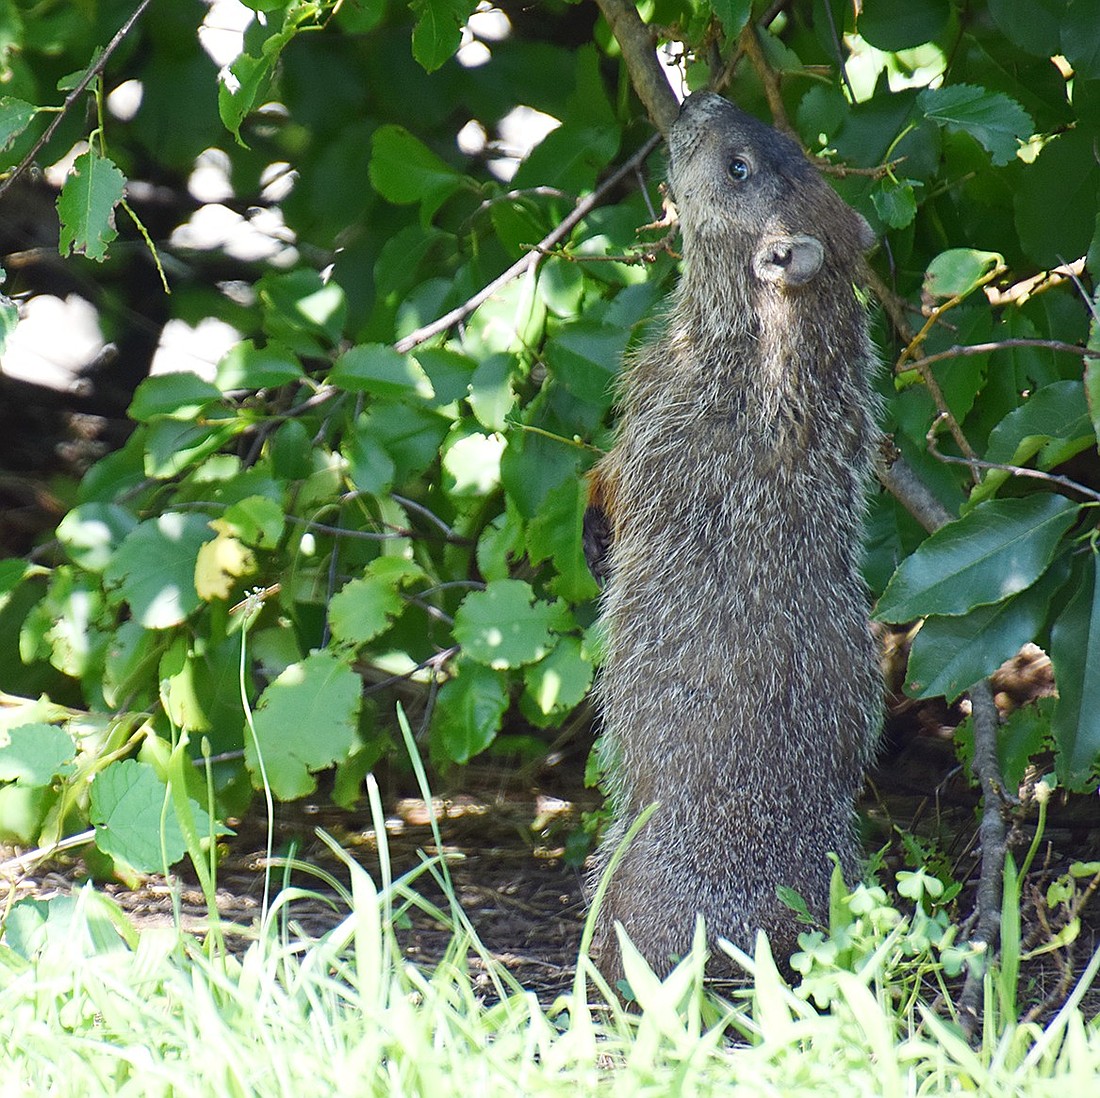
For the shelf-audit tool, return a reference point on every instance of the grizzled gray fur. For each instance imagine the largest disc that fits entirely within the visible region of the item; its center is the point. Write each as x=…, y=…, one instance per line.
x=741, y=689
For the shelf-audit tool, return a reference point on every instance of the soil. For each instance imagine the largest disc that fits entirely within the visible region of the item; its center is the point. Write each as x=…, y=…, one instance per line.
x=506, y=853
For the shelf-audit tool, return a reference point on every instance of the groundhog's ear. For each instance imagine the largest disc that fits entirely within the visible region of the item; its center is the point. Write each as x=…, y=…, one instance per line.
x=789, y=260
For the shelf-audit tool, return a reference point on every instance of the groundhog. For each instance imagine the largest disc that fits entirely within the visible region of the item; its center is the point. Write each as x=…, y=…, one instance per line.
x=740, y=689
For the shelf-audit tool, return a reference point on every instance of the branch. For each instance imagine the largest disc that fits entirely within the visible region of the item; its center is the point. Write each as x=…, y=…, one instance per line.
x=1015, y=470
x=636, y=41
x=531, y=259
x=992, y=833
x=94, y=71
x=898, y=478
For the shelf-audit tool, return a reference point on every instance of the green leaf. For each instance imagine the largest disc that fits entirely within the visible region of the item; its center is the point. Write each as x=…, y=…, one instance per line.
x=1092, y=368
x=468, y=712
x=585, y=357
x=403, y=170
x=366, y=607
x=959, y=271
x=176, y=396
x=35, y=754
x=438, y=30
x=172, y=445
x=86, y=206
x=127, y=806
x=1080, y=35
x=9, y=315
x=994, y=551
x=893, y=25
x=501, y=628
x=154, y=568
x=1050, y=231
x=500, y=544
x=557, y=532
x=950, y=654
x=733, y=15
x=256, y=520
x=491, y=396
x=305, y=721
x=1053, y=421
x=557, y=683
x=302, y=312
x=247, y=366
x=1075, y=653
x=895, y=202
x=1032, y=26
x=380, y=370
x=999, y=124
x=472, y=465
x=91, y=532
x=15, y=117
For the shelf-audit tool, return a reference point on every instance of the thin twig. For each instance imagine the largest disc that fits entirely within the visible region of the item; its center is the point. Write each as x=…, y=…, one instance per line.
x=1003, y=345
x=1015, y=470
x=531, y=259
x=74, y=95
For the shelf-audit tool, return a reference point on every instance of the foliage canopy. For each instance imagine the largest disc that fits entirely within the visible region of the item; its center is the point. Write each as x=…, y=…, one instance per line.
x=406, y=497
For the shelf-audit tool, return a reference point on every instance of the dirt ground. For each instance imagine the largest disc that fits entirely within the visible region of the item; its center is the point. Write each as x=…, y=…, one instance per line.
x=506, y=852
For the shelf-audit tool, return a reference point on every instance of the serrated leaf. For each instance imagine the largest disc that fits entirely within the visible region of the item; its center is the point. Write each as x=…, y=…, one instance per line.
x=403, y=170
x=365, y=607
x=958, y=271
x=91, y=532
x=491, y=395
x=557, y=532
x=180, y=396
x=950, y=654
x=380, y=370
x=733, y=15
x=468, y=712
x=15, y=117
x=126, y=810
x=86, y=206
x=154, y=568
x=1075, y=653
x=503, y=626
x=998, y=123
x=895, y=202
x=438, y=30
x=994, y=551
x=305, y=721
x=35, y=754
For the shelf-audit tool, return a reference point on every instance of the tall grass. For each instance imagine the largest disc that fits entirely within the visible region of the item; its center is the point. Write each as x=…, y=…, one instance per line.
x=90, y=1007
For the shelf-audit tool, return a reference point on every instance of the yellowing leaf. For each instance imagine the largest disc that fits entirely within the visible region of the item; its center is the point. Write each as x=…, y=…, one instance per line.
x=219, y=564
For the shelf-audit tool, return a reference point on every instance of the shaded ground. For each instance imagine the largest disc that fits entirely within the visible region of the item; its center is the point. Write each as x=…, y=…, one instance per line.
x=506, y=856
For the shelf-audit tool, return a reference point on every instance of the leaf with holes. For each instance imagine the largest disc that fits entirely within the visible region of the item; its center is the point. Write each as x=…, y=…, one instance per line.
x=86, y=206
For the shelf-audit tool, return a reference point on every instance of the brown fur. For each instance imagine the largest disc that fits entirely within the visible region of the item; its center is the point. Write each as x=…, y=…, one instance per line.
x=740, y=689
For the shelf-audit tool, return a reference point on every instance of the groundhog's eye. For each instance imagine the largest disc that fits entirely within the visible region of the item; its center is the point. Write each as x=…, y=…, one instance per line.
x=739, y=169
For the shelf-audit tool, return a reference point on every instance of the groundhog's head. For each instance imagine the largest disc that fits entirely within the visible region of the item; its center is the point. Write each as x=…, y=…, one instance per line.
x=741, y=184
